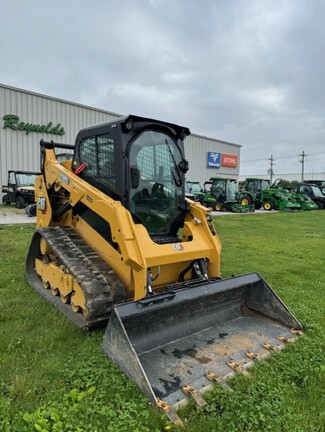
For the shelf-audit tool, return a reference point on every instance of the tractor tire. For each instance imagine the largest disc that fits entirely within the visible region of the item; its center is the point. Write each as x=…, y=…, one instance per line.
x=319, y=205
x=5, y=200
x=218, y=207
x=246, y=200
x=20, y=202
x=268, y=206
x=31, y=210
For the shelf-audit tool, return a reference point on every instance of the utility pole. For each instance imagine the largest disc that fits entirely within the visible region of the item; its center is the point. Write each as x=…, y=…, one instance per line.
x=303, y=155
x=271, y=169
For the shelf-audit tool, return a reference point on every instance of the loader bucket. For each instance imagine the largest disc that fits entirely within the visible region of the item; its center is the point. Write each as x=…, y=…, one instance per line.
x=179, y=342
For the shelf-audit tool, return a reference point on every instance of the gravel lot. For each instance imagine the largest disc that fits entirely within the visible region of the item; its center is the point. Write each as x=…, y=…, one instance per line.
x=11, y=215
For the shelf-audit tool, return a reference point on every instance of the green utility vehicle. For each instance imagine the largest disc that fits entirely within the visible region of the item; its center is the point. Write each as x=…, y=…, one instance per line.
x=221, y=194
x=260, y=193
x=20, y=188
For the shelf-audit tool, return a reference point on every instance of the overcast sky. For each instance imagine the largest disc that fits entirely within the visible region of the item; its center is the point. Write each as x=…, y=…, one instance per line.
x=246, y=71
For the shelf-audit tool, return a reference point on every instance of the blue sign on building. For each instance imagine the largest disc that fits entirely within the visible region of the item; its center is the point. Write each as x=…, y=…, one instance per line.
x=214, y=160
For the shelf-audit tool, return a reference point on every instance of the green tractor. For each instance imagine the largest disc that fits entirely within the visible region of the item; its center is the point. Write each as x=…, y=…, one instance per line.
x=260, y=193
x=221, y=194
x=306, y=203
x=196, y=190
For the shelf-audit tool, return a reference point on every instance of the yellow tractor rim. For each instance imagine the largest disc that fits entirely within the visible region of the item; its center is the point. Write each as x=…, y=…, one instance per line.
x=244, y=202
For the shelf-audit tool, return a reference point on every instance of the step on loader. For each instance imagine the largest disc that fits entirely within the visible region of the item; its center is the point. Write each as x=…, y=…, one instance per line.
x=118, y=244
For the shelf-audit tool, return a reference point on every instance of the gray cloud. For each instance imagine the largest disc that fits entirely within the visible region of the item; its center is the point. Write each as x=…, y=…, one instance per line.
x=247, y=71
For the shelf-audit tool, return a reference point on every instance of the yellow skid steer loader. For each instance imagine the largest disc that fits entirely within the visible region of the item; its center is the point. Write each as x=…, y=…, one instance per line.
x=118, y=244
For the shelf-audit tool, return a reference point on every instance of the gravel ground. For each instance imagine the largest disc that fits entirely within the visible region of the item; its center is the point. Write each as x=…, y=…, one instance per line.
x=11, y=215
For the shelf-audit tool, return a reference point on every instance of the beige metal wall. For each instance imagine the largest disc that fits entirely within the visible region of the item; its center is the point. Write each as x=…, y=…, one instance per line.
x=196, y=149
x=21, y=151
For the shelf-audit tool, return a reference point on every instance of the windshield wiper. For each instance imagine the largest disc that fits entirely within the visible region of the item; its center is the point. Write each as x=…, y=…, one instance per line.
x=178, y=179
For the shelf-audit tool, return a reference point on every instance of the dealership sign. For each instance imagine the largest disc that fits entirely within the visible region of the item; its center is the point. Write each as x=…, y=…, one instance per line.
x=13, y=122
x=213, y=160
x=228, y=160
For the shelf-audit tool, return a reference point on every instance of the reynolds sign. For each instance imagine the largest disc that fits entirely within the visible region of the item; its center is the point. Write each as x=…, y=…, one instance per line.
x=213, y=160
x=12, y=121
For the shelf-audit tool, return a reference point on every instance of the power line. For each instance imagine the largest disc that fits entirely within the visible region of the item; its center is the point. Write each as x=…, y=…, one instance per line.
x=280, y=126
x=284, y=174
x=284, y=133
x=314, y=154
x=282, y=157
x=288, y=132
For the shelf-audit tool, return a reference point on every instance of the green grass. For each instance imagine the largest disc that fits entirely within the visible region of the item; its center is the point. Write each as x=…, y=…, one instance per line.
x=54, y=377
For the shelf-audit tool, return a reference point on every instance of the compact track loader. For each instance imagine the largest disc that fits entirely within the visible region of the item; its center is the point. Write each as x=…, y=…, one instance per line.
x=117, y=242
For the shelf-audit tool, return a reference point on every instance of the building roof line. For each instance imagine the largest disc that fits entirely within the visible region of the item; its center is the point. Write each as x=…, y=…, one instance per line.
x=216, y=139
x=56, y=99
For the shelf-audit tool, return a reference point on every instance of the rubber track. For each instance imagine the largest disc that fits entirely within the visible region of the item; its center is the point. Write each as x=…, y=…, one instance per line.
x=101, y=286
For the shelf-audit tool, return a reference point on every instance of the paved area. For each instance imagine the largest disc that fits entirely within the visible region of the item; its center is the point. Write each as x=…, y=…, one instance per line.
x=10, y=216
x=215, y=213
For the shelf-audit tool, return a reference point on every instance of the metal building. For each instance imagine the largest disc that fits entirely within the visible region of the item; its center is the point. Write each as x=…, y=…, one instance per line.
x=27, y=117
x=210, y=157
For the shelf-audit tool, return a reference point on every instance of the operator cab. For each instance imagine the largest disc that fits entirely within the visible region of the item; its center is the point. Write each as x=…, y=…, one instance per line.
x=157, y=182
x=140, y=162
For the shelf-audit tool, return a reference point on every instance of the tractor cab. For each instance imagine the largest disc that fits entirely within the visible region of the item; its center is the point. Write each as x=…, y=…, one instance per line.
x=223, y=195
x=260, y=193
